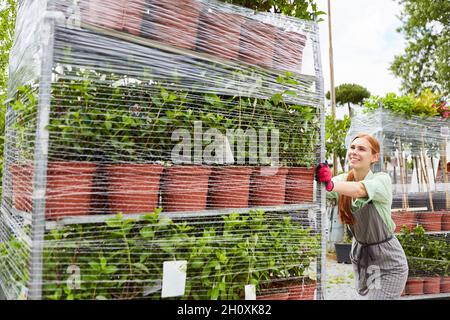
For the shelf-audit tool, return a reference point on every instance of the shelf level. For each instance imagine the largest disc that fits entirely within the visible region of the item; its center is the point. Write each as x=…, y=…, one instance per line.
x=177, y=215
x=195, y=54
x=427, y=296
x=430, y=232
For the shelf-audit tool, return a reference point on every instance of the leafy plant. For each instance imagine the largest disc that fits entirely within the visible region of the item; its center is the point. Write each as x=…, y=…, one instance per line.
x=123, y=258
x=335, y=133
x=426, y=254
x=304, y=9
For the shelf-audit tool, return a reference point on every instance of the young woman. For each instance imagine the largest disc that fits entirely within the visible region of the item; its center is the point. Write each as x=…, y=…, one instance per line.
x=364, y=200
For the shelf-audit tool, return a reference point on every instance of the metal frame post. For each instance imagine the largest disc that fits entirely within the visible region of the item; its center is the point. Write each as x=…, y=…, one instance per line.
x=321, y=214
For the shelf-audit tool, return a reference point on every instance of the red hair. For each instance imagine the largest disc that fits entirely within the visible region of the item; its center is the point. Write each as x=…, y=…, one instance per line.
x=345, y=212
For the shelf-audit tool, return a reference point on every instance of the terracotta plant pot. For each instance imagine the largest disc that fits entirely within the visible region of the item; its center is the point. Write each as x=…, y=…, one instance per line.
x=431, y=285
x=22, y=185
x=404, y=218
x=299, y=185
x=445, y=284
x=289, y=51
x=134, y=188
x=220, y=34
x=69, y=188
x=414, y=286
x=430, y=221
x=185, y=188
x=121, y=15
x=274, y=296
x=174, y=22
x=268, y=186
x=257, y=43
x=445, y=223
x=229, y=187
x=277, y=290
x=302, y=292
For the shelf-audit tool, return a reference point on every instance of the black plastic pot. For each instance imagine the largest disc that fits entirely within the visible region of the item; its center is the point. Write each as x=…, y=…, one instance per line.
x=343, y=252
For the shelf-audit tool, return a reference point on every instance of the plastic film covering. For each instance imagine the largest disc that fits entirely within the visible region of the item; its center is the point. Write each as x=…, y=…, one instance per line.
x=149, y=140
x=415, y=153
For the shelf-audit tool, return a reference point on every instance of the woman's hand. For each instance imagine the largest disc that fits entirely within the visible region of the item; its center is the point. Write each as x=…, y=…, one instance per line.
x=323, y=174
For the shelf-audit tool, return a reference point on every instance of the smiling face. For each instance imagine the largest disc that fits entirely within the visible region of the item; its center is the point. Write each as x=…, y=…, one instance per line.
x=361, y=155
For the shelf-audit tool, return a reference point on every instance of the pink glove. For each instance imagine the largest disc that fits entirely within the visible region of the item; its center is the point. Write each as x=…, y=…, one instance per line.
x=323, y=174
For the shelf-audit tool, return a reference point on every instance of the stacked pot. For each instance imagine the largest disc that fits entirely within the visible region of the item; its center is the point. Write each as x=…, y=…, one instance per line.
x=194, y=25
x=80, y=188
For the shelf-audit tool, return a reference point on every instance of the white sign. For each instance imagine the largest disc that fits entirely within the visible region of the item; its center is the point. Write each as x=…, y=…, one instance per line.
x=174, y=278
x=250, y=292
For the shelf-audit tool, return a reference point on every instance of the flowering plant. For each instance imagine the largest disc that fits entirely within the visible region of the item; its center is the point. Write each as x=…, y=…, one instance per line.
x=442, y=108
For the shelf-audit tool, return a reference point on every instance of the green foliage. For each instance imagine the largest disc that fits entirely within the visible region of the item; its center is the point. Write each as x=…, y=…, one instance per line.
x=303, y=9
x=335, y=133
x=425, y=62
x=134, y=122
x=427, y=255
x=8, y=12
x=14, y=252
x=223, y=255
x=425, y=105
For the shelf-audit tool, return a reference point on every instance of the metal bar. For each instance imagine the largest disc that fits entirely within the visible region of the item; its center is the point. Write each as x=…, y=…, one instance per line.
x=321, y=213
x=102, y=218
x=426, y=296
x=41, y=158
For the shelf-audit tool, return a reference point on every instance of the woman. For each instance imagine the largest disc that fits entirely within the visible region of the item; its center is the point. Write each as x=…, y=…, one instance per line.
x=364, y=200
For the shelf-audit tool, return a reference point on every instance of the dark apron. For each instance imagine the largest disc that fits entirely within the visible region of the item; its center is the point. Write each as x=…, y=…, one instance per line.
x=379, y=261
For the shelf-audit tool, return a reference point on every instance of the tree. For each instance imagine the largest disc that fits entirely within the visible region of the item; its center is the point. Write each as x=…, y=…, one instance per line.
x=425, y=62
x=349, y=93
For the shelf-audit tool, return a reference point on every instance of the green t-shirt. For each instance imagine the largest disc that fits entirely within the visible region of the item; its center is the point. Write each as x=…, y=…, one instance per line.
x=379, y=190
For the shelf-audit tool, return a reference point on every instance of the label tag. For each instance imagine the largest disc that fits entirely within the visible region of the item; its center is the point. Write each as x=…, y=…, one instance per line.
x=174, y=278
x=250, y=292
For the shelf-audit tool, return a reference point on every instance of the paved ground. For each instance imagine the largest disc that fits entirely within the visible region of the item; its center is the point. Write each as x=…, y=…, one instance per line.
x=340, y=281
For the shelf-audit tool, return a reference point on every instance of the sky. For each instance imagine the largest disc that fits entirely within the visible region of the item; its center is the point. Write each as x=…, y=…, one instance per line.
x=365, y=42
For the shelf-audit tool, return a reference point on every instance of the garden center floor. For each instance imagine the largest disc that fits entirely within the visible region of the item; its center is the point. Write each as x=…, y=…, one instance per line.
x=339, y=280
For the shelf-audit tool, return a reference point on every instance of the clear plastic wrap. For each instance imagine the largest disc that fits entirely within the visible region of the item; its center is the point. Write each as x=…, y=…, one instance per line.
x=198, y=122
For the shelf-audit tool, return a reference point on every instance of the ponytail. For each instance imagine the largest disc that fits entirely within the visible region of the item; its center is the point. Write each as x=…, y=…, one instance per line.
x=345, y=202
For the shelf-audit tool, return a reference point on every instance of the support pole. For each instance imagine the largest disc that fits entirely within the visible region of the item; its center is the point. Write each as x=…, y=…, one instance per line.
x=40, y=161
x=332, y=89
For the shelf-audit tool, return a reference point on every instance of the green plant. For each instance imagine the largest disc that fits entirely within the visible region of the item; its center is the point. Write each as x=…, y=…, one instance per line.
x=427, y=255
x=14, y=263
x=304, y=9
x=123, y=258
x=335, y=133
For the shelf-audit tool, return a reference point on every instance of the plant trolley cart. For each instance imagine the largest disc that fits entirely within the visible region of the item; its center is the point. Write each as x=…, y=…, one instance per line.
x=162, y=149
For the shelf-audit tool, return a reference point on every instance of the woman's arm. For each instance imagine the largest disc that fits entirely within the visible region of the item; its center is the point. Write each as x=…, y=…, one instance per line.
x=350, y=188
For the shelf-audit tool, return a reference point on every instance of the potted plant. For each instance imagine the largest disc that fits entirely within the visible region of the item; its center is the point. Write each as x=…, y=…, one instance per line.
x=413, y=243
x=133, y=163
x=22, y=168
x=404, y=218
x=69, y=176
x=289, y=266
x=343, y=248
